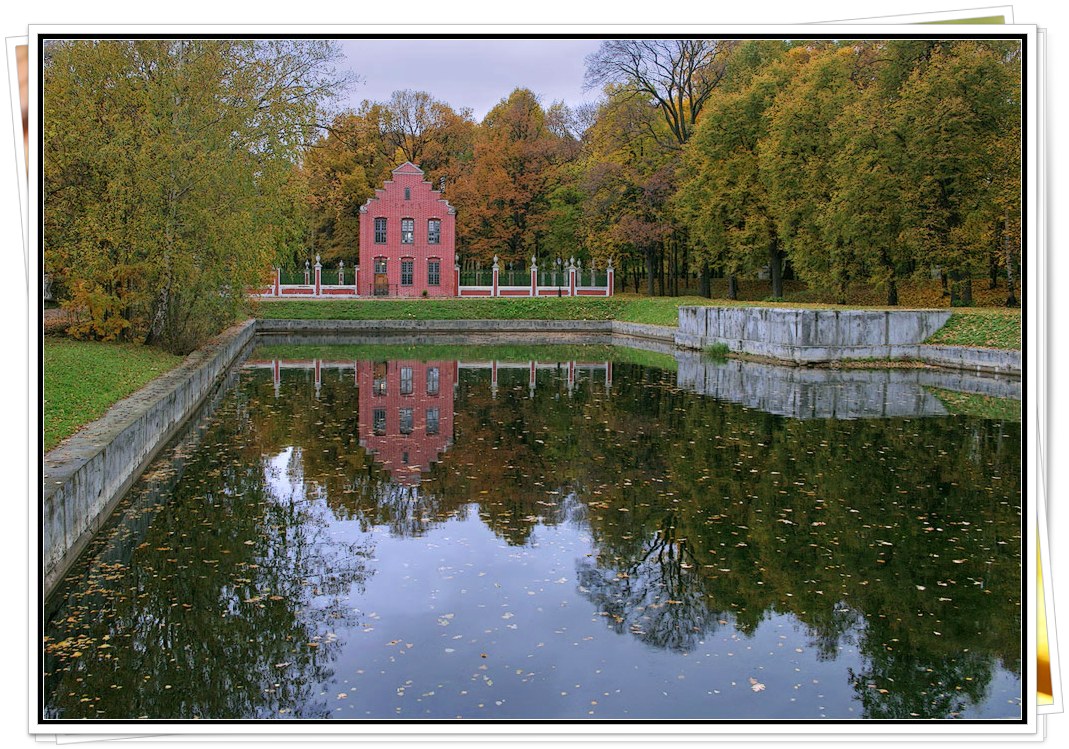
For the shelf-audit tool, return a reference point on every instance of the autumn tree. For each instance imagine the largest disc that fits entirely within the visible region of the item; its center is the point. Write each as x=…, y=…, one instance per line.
x=502, y=199
x=678, y=75
x=629, y=179
x=169, y=176
x=723, y=199
x=795, y=156
x=959, y=116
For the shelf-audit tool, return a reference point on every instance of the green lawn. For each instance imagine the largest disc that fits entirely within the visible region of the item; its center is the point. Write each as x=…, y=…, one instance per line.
x=981, y=326
x=986, y=327
x=82, y=379
x=627, y=307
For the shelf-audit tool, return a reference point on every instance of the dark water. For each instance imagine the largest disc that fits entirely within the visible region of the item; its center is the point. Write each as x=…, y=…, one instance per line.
x=418, y=538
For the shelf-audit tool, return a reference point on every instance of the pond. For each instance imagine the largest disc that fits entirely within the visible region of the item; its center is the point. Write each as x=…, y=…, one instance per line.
x=570, y=532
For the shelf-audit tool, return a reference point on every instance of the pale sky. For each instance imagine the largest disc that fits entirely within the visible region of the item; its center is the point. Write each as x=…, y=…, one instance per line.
x=475, y=73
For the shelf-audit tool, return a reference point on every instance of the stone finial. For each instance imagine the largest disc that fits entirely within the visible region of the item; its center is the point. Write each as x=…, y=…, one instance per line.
x=495, y=262
x=534, y=266
x=579, y=263
x=571, y=261
x=341, y=264
x=610, y=264
x=306, y=265
x=318, y=264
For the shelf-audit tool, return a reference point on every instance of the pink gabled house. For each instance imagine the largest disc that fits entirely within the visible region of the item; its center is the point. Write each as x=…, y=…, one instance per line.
x=407, y=239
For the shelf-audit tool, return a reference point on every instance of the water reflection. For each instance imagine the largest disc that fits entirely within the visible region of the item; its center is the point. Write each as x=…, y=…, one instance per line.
x=589, y=537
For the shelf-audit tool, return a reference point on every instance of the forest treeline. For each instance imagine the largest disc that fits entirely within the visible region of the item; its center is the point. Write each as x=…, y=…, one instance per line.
x=833, y=162
x=177, y=172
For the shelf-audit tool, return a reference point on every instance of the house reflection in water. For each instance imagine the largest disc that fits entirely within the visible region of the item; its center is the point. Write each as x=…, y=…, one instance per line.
x=406, y=414
x=405, y=407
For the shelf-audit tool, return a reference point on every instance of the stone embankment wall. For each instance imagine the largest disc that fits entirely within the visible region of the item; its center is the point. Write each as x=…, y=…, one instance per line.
x=86, y=474
x=817, y=336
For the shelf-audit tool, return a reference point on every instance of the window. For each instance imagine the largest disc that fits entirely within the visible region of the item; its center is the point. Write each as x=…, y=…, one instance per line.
x=380, y=231
x=406, y=380
x=434, y=272
x=380, y=421
x=432, y=421
x=406, y=420
x=408, y=230
x=380, y=265
x=406, y=272
x=434, y=230
x=408, y=193
x=432, y=381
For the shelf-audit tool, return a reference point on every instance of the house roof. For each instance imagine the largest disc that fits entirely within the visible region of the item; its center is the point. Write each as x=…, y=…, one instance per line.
x=407, y=168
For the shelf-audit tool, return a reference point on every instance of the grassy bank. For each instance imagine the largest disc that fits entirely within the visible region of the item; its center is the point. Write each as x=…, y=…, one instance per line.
x=82, y=379
x=992, y=327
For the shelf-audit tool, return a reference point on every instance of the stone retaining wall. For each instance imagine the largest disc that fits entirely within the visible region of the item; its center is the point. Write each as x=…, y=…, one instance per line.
x=998, y=361
x=86, y=474
x=808, y=336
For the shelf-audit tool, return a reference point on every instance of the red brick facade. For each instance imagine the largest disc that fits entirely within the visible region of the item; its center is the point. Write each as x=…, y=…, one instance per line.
x=396, y=265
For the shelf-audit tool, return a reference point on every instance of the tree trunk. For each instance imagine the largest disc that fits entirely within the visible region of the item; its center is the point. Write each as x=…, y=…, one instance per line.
x=649, y=271
x=733, y=287
x=992, y=270
x=892, y=293
x=1011, y=292
x=775, y=269
x=704, y=285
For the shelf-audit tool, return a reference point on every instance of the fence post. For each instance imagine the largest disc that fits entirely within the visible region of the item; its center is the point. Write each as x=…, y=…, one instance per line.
x=356, y=280
x=534, y=277
x=307, y=274
x=610, y=281
x=571, y=276
x=341, y=273
x=319, y=275
x=495, y=271
x=278, y=282
x=456, y=279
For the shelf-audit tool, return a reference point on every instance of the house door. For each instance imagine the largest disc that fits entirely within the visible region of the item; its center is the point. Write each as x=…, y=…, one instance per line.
x=382, y=282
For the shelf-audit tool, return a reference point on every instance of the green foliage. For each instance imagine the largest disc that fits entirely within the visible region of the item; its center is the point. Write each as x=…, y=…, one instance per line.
x=170, y=179
x=717, y=351
x=82, y=379
x=861, y=162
